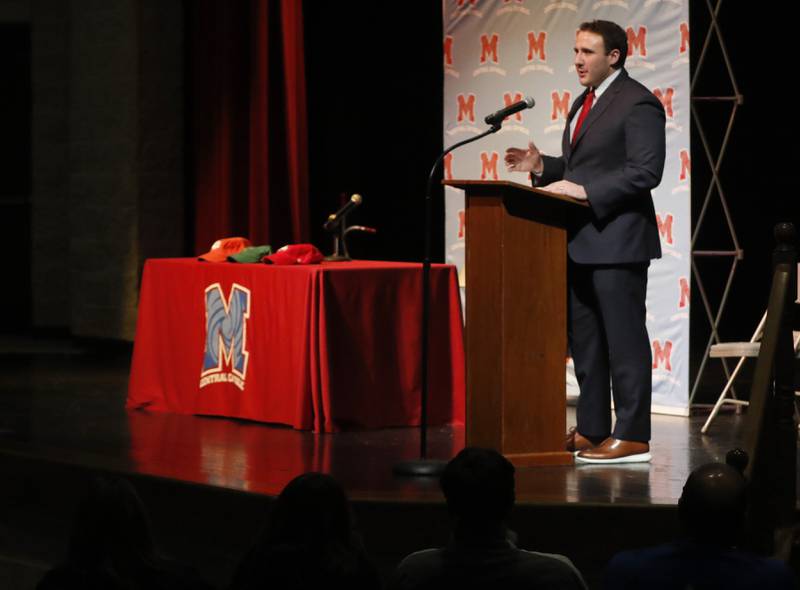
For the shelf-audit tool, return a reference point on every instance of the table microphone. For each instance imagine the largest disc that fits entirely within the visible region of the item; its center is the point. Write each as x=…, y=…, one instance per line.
x=333, y=218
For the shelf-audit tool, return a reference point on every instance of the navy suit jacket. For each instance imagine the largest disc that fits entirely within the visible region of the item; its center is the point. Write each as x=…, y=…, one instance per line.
x=618, y=157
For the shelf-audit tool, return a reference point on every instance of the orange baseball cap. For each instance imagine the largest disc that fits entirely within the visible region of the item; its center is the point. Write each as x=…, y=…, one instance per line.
x=295, y=254
x=221, y=249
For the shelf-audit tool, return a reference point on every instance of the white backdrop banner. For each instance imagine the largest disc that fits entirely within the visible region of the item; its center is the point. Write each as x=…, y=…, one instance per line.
x=496, y=52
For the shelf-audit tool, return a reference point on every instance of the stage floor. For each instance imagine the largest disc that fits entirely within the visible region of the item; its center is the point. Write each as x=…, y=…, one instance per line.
x=207, y=482
x=63, y=402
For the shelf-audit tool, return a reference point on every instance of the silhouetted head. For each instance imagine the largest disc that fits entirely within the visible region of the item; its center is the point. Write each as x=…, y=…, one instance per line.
x=478, y=485
x=308, y=541
x=312, y=511
x=713, y=504
x=111, y=528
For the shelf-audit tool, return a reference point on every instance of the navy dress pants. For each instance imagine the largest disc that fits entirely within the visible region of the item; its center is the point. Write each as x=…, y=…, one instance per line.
x=611, y=348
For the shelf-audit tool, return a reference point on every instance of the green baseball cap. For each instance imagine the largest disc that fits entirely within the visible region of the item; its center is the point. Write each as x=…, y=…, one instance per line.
x=251, y=255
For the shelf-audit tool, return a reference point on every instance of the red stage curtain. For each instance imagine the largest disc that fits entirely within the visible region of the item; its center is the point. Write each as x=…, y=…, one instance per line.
x=247, y=131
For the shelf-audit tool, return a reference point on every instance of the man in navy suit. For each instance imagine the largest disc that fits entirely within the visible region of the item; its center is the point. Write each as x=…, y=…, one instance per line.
x=613, y=152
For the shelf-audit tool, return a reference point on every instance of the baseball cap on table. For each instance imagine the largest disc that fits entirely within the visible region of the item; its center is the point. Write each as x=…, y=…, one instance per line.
x=251, y=254
x=221, y=249
x=295, y=254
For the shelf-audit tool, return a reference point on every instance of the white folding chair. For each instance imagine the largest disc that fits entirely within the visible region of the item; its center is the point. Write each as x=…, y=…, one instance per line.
x=743, y=350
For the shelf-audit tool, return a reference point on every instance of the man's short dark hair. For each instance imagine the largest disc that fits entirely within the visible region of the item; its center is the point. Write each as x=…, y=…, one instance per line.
x=478, y=485
x=614, y=37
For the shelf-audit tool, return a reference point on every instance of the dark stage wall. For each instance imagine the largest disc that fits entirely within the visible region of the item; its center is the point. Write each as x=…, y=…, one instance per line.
x=375, y=87
x=15, y=187
x=758, y=171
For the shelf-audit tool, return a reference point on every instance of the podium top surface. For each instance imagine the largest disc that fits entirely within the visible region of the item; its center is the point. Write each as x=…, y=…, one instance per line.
x=508, y=184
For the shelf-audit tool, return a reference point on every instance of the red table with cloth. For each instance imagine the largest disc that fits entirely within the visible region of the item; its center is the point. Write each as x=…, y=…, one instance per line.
x=323, y=347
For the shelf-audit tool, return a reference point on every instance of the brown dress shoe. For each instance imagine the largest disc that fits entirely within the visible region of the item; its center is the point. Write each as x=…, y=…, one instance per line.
x=613, y=450
x=575, y=441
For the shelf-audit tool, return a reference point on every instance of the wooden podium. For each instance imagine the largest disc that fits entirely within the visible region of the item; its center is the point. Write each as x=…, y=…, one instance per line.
x=516, y=312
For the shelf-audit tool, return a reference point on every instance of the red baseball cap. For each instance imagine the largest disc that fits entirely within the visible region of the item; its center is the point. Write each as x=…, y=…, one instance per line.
x=295, y=254
x=221, y=249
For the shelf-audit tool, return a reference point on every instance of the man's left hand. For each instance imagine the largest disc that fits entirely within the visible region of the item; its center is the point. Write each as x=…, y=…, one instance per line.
x=565, y=187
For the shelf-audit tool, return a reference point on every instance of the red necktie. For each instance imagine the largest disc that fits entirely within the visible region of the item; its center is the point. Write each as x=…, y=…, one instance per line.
x=587, y=106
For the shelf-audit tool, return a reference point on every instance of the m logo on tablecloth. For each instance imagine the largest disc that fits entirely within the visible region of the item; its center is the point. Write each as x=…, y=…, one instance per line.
x=225, y=355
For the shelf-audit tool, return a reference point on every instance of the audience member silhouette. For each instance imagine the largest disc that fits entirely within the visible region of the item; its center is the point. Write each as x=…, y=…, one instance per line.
x=711, y=512
x=478, y=485
x=112, y=547
x=308, y=542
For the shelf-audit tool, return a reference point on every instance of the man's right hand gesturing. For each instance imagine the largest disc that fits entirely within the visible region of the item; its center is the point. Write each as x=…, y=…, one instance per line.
x=524, y=160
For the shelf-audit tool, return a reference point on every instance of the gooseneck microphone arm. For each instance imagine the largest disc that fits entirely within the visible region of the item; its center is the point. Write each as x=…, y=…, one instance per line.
x=425, y=466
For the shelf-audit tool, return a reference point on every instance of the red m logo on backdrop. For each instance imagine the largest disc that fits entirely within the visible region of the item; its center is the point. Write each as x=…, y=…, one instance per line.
x=560, y=105
x=448, y=167
x=686, y=164
x=466, y=108
x=489, y=165
x=666, y=97
x=662, y=355
x=685, y=294
x=637, y=41
x=462, y=2
x=684, y=38
x=508, y=99
x=448, y=50
x=536, y=45
x=489, y=47
x=462, y=223
x=665, y=227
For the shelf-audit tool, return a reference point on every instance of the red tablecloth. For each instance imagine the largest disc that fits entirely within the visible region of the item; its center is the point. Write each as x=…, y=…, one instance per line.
x=323, y=347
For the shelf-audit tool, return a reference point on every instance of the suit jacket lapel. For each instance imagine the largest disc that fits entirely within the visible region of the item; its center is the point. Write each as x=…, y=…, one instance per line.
x=600, y=106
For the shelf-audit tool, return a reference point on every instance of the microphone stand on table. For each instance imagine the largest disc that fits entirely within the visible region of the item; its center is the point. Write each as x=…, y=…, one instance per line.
x=337, y=224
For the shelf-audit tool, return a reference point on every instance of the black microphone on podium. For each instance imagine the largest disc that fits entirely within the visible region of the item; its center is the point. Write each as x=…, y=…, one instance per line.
x=497, y=118
x=335, y=218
